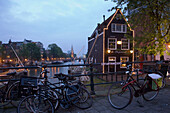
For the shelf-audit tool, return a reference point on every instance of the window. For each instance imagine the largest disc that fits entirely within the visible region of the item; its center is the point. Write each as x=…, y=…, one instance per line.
x=125, y=44
x=112, y=64
x=118, y=27
x=123, y=59
x=121, y=28
x=112, y=43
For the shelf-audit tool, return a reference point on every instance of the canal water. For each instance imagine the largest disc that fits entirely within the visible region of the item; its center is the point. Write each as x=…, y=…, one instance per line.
x=53, y=70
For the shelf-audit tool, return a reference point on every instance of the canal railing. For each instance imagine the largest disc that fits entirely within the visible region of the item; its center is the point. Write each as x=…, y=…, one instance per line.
x=115, y=76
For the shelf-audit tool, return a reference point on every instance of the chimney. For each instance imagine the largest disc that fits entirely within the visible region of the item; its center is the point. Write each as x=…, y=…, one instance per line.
x=104, y=18
x=98, y=24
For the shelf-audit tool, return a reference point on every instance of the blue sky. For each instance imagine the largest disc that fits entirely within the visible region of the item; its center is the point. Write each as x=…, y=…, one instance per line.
x=64, y=22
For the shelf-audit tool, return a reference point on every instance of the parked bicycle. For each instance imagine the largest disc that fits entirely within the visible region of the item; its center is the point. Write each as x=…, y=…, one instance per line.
x=50, y=95
x=73, y=93
x=8, y=90
x=121, y=93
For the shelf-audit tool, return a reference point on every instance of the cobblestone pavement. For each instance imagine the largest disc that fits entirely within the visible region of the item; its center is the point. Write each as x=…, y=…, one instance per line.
x=161, y=104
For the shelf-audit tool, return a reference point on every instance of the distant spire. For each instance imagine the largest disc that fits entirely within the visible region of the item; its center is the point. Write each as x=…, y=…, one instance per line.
x=9, y=41
x=72, y=52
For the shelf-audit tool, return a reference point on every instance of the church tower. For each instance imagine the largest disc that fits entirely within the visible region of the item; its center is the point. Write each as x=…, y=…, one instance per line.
x=72, y=52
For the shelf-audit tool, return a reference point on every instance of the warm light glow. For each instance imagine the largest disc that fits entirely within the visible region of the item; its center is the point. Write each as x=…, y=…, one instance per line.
x=123, y=65
x=8, y=56
x=119, y=42
x=3, y=60
x=131, y=51
x=26, y=60
x=169, y=46
x=10, y=60
x=108, y=51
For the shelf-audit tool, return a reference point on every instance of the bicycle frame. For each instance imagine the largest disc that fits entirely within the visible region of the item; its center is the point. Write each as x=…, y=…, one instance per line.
x=131, y=81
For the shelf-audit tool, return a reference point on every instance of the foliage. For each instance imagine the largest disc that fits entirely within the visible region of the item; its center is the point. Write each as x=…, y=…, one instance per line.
x=23, y=52
x=44, y=54
x=30, y=51
x=150, y=19
x=55, y=51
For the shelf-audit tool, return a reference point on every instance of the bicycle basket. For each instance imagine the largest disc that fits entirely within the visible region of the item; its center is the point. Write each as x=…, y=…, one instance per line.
x=29, y=81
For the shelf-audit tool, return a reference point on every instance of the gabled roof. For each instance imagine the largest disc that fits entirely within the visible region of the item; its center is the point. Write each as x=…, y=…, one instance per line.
x=107, y=22
x=102, y=25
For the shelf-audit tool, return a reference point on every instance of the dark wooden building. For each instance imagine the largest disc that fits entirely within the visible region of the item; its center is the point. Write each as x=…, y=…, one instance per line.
x=111, y=43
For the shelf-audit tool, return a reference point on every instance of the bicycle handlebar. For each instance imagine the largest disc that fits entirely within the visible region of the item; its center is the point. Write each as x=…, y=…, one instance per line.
x=61, y=76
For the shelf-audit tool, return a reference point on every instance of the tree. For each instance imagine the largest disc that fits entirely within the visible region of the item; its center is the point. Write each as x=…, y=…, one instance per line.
x=55, y=51
x=33, y=51
x=44, y=54
x=30, y=51
x=150, y=18
x=24, y=52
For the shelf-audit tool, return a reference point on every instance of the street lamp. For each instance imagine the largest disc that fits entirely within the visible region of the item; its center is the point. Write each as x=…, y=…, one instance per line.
x=108, y=51
x=169, y=46
x=119, y=42
x=131, y=51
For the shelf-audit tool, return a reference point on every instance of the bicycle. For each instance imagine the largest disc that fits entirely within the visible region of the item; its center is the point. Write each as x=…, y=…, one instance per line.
x=38, y=100
x=7, y=91
x=120, y=94
x=72, y=93
x=55, y=95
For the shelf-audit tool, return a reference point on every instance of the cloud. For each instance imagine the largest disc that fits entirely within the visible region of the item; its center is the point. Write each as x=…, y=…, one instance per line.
x=42, y=10
x=48, y=21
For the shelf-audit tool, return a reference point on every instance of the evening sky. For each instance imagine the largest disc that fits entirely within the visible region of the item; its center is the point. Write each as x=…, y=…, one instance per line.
x=64, y=22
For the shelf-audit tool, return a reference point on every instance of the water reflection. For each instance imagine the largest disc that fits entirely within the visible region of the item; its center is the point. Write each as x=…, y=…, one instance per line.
x=53, y=70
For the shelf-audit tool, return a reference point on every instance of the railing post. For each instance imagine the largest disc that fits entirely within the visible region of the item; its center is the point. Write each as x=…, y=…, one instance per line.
x=137, y=75
x=91, y=80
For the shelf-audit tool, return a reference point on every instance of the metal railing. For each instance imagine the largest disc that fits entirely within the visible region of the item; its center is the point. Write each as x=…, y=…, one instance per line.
x=114, y=76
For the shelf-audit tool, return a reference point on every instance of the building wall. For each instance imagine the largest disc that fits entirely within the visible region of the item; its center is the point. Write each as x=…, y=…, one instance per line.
x=96, y=55
x=118, y=52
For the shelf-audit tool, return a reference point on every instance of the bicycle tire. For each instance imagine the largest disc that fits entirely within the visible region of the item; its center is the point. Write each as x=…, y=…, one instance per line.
x=13, y=93
x=53, y=96
x=80, y=97
x=3, y=97
x=34, y=104
x=150, y=91
x=119, y=95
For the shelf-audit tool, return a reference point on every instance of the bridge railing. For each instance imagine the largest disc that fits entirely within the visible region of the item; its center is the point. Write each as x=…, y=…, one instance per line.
x=108, y=78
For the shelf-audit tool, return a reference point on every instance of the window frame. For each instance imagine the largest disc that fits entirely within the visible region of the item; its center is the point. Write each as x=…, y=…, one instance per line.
x=116, y=28
x=128, y=44
x=115, y=44
x=121, y=61
x=112, y=61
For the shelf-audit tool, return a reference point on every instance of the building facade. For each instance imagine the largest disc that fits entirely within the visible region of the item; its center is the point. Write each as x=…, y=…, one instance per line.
x=111, y=43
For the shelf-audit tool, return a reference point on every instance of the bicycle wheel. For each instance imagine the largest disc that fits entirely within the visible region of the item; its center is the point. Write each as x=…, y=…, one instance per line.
x=52, y=95
x=3, y=97
x=79, y=96
x=13, y=93
x=35, y=104
x=119, y=95
x=150, y=89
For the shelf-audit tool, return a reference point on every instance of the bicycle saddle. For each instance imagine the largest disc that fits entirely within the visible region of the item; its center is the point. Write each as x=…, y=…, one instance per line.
x=60, y=76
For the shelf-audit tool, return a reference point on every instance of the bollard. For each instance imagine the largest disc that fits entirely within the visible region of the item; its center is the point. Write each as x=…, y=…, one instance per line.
x=91, y=80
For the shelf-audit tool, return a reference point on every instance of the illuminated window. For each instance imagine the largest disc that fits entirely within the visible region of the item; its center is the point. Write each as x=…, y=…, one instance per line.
x=125, y=44
x=112, y=43
x=123, y=59
x=121, y=28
